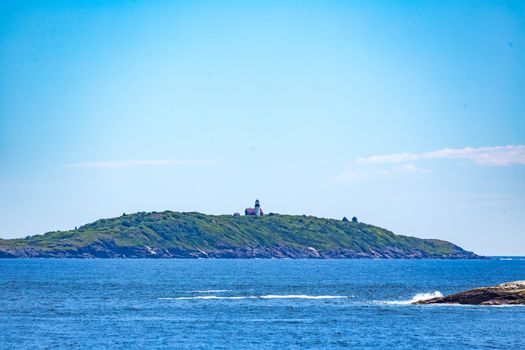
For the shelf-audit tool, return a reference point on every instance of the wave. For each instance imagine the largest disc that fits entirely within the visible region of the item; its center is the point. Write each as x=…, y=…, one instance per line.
x=205, y=297
x=300, y=296
x=210, y=291
x=290, y=296
x=415, y=298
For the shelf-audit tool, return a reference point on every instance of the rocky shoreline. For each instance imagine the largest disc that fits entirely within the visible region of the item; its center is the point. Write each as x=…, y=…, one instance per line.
x=278, y=252
x=510, y=293
x=195, y=235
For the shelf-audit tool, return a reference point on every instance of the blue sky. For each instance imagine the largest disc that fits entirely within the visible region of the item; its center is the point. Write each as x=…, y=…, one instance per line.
x=409, y=115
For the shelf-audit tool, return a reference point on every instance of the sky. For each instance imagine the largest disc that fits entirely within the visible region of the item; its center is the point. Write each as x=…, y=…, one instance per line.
x=409, y=115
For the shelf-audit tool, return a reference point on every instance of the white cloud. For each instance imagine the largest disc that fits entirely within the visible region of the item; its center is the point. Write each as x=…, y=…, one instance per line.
x=485, y=156
x=402, y=163
x=136, y=163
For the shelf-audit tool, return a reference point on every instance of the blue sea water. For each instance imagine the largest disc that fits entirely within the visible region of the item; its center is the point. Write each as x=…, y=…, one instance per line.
x=245, y=304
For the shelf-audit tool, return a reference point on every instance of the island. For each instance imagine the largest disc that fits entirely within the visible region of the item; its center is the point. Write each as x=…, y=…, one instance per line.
x=195, y=235
x=510, y=293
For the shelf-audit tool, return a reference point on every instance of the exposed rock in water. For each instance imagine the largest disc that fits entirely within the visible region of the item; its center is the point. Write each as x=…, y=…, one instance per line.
x=510, y=293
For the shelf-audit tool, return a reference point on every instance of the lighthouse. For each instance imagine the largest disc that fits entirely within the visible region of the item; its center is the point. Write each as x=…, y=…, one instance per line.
x=255, y=211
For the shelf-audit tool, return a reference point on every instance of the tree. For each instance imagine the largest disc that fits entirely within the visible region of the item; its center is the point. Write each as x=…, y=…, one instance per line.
x=345, y=219
x=354, y=219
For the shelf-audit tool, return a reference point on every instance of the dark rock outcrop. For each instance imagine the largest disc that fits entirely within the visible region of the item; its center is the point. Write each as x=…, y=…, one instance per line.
x=510, y=293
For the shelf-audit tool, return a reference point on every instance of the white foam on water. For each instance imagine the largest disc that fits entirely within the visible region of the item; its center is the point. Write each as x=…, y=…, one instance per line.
x=204, y=297
x=301, y=296
x=415, y=298
x=290, y=296
x=513, y=305
x=210, y=291
x=426, y=296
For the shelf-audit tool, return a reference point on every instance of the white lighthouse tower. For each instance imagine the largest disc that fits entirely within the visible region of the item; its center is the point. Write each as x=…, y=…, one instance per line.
x=257, y=208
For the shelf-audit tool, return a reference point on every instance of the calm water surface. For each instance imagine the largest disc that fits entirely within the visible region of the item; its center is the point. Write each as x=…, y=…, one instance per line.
x=243, y=304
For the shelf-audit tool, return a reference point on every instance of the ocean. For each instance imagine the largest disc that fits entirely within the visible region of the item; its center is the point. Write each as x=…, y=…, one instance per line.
x=253, y=304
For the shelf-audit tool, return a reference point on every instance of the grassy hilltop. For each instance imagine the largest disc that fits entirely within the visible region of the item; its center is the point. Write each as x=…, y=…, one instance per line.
x=195, y=235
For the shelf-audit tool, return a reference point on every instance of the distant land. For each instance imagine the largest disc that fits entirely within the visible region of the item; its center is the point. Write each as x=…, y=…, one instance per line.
x=194, y=235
